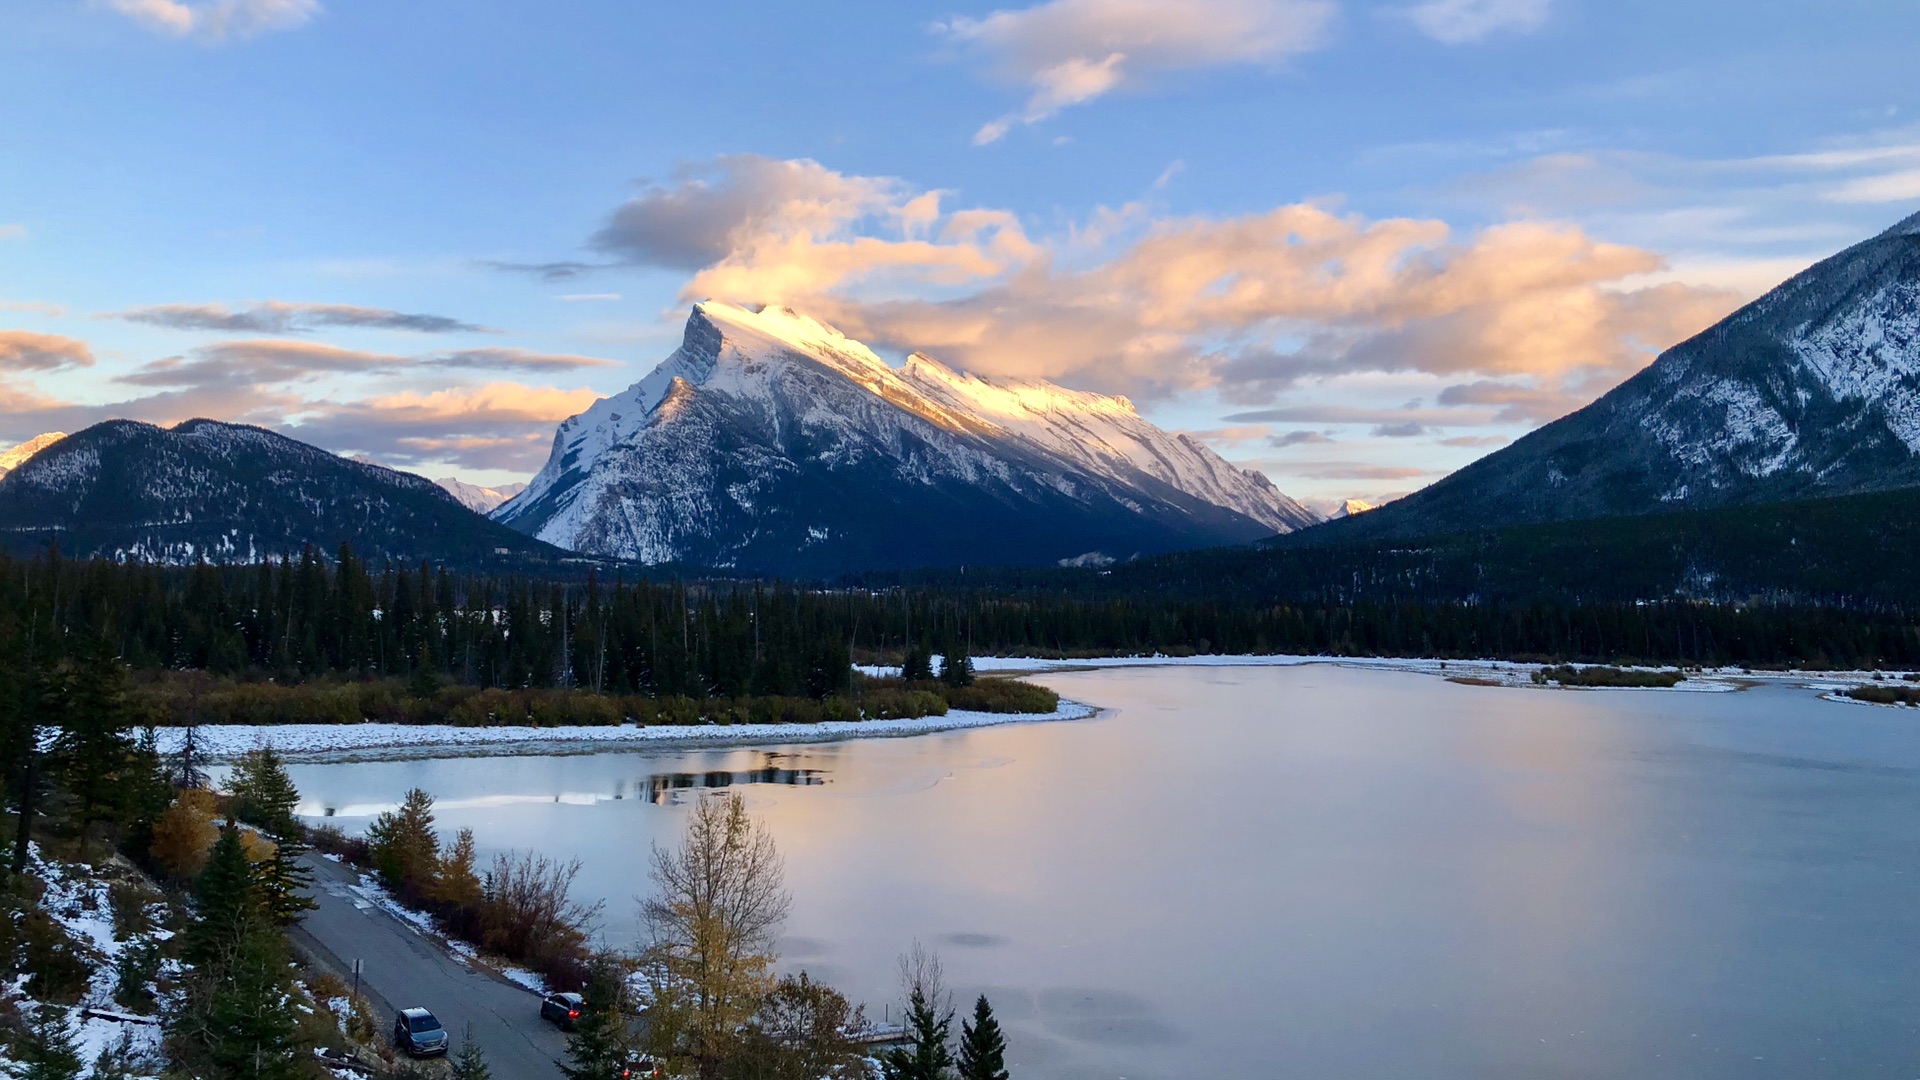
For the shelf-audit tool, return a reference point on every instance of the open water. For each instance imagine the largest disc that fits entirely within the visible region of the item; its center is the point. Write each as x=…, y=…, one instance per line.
x=1315, y=872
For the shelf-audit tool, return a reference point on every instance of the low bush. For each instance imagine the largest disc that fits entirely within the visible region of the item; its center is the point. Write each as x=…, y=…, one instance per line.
x=57, y=966
x=1001, y=696
x=332, y=840
x=1886, y=695
x=1600, y=675
x=901, y=703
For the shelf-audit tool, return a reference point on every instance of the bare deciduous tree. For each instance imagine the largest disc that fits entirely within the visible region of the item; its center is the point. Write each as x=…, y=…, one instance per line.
x=718, y=903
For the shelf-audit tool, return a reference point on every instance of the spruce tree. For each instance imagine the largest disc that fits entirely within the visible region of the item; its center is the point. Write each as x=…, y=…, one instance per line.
x=406, y=850
x=264, y=795
x=929, y=1058
x=955, y=668
x=47, y=1052
x=471, y=1063
x=250, y=1027
x=983, y=1049
x=918, y=666
x=226, y=906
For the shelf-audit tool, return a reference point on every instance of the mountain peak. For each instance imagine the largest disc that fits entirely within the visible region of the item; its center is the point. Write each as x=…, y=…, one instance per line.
x=1811, y=390
x=12, y=457
x=770, y=441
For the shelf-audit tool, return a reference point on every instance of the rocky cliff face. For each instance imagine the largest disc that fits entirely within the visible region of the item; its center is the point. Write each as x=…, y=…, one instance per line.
x=1813, y=389
x=769, y=442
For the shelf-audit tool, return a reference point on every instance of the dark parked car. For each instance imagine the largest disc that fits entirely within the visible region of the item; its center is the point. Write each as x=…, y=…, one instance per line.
x=418, y=1033
x=562, y=1009
x=639, y=1067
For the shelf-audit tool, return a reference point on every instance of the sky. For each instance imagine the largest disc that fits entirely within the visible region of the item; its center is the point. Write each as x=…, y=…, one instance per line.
x=1352, y=244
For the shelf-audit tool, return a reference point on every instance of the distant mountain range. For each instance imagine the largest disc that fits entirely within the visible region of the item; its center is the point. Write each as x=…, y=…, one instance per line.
x=1811, y=390
x=11, y=458
x=771, y=443
x=478, y=499
x=230, y=493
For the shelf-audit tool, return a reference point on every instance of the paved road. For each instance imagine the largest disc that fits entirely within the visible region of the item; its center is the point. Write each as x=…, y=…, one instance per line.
x=402, y=970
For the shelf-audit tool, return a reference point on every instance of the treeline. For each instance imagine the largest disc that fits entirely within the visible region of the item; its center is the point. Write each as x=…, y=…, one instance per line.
x=309, y=618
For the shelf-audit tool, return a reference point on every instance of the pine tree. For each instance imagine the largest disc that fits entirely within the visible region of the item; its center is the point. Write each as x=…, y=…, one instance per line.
x=955, y=668
x=406, y=850
x=457, y=887
x=226, y=906
x=600, y=1045
x=93, y=751
x=263, y=793
x=250, y=1026
x=47, y=1052
x=471, y=1063
x=930, y=1058
x=918, y=666
x=983, y=1049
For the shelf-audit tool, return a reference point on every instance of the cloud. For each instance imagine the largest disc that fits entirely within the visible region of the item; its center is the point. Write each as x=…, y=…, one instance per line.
x=585, y=298
x=755, y=229
x=1472, y=441
x=23, y=350
x=217, y=20
x=1406, y=429
x=546, y=271
x=1069, y=52
x=1353, y=470
x=277, y=361
x=501, y=425
x=281, y=317
x=1247, y=306
x=1519, y=402
x=1298, y=438
x=1458, y=22
x=13, y=232
x=1902, y=186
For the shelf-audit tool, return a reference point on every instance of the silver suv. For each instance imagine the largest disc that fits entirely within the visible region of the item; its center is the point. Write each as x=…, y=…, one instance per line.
x=418, y=1033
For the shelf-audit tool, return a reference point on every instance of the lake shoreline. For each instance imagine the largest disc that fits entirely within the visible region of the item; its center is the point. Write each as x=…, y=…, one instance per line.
x=334, y=743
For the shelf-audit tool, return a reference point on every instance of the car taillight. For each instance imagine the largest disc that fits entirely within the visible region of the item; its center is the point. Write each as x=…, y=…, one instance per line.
x=573, y=1014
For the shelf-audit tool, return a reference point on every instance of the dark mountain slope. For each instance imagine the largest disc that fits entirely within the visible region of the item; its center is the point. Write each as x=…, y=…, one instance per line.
x=1811, y=390
x=232, y=493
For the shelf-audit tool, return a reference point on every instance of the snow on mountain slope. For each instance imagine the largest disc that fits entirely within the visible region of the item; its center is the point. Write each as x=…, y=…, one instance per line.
x=231, y=493
x=11, y=458
x=771, y=441
x=476, y=498
x=1811, y=390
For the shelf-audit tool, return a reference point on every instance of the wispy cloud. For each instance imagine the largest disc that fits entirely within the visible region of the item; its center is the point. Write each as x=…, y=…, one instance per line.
x=1070, y=52
x=1248, y=306
x=217, y=20
x=1458, y=22
x=13, y=232
x=282, y=317
x=23, y=350
x=276, y=361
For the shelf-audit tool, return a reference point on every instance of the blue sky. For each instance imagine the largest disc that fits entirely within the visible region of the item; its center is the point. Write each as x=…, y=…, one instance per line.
x=1352, y=244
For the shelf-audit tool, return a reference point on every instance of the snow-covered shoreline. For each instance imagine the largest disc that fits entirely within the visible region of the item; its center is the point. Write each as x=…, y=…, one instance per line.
x=389, y=742
x=394, y=742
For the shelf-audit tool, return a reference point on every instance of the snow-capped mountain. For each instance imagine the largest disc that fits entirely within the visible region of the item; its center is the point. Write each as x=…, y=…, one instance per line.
x=1348, y=508
x=771, y=442
x=1811, y=390
x=478, y=499
x=227, y=492
x=11, y=458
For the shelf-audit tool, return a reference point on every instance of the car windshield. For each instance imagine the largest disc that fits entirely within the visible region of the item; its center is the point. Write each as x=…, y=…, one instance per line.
x=419, y=1024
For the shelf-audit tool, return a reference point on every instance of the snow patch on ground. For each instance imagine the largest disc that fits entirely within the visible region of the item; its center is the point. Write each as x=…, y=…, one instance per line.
x=335, y=742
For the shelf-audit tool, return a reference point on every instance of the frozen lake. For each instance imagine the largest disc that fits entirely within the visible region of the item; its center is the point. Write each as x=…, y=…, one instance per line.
x=1316, y=871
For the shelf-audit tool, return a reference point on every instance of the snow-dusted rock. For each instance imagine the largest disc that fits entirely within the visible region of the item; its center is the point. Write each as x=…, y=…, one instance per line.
x=771, y=442
x=1811, y=390
x=476, y=498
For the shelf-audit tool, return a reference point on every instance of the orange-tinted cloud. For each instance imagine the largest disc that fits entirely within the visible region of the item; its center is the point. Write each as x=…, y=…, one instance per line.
x=1069, y=52
x=24, y=350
